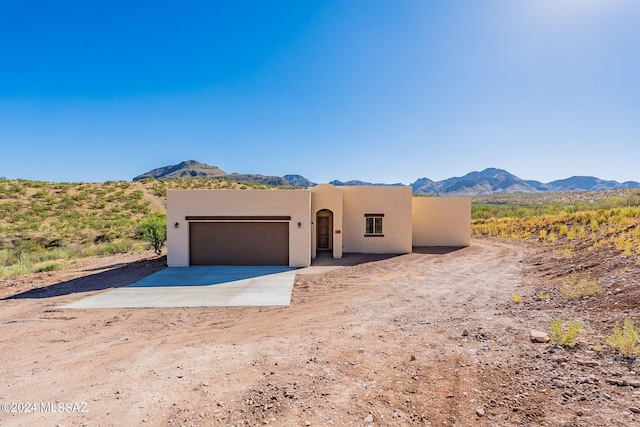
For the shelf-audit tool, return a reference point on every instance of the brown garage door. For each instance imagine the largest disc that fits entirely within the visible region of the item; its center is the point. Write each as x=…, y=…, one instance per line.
x=239, y=243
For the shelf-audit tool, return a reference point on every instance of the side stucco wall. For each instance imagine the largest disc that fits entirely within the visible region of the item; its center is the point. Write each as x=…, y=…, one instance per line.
x=393, y=202
x=183, y=203
x=441, y=221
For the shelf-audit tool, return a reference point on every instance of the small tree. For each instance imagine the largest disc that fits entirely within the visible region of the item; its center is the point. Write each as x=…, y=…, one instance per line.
x=154, y=230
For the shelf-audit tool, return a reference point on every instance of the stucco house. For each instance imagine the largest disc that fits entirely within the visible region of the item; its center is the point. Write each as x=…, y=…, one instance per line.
x=289, y=227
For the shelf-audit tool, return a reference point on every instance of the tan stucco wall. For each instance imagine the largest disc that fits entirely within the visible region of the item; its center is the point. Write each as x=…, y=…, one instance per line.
x=441, y=221
x=326, y=196
x=294, y=203
x=393, y=202
x=408, y=221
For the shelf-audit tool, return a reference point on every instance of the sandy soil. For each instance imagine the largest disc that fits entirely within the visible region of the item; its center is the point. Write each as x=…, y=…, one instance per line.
x=430, y=338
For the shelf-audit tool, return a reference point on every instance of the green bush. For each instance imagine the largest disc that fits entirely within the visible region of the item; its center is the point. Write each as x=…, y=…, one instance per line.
x=154, y=230
x=573, y=286
x=121, y=246
x=23, y=267
x=626, y=339
x=565, y=338
x=47, y=266
x=7, y=257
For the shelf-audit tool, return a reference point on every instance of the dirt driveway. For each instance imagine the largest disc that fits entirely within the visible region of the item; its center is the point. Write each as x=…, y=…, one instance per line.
x=419, y=339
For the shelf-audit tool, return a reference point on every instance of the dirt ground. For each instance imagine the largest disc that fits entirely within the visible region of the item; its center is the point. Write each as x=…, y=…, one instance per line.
x=430, y=338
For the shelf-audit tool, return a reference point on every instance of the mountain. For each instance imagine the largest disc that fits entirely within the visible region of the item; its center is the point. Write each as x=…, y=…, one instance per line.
x=357, y=183
x=496, y=181
x=194, y=169
x=299, y=181
x=186, y=169
x=488, y=181
x=261, y=179
x=582, y=183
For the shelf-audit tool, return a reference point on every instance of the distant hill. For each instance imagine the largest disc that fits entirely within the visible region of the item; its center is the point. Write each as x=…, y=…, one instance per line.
x=499, y=181
x=590, y=183
x=262, y=179
x=186, y=169
x=194, y=169
x=299, y=181
x=486, y=182
x=357, y=183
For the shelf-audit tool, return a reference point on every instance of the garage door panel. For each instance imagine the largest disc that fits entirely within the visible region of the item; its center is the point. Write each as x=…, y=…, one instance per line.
x=239, y=243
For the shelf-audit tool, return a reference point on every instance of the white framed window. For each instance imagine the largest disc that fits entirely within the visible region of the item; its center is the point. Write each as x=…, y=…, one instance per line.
x=373, y=224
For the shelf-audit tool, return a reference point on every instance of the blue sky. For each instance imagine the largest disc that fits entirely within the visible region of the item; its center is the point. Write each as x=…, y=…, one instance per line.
x=381, y=91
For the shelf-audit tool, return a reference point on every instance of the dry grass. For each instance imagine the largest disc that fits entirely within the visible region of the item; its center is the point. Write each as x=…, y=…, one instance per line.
x=565, y=338
x=576, y=286
x=569, y=227
x=626, y=339
x=516, y=297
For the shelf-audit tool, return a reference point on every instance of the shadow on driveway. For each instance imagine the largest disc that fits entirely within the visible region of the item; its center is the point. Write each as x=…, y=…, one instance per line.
x=206, y=275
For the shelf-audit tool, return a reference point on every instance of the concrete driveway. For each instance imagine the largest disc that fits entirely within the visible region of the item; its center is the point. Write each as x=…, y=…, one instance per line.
x=215, y=286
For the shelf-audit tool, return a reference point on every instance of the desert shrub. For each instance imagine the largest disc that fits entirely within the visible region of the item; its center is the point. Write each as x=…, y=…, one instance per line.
x=29, y=225
x=49, y=255
x=516, y=297
x=23, y=247
x=47, y=266
x=14, y=270
x=565, y=338
x=121, y=246
x=625, y=339
x=565, y=250
x=160, y=190
x=80, y=196
x=16, y=188
x=137, y=208
x=22, y=267
x=154, y=230
x=98, y=205
x=8, y=257
x=574, y=286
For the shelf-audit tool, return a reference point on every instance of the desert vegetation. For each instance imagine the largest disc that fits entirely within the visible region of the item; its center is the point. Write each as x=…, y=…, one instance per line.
x=44, y=226
x=565, y=336
x=565, y=226
x=626, y=339
x=589, y=255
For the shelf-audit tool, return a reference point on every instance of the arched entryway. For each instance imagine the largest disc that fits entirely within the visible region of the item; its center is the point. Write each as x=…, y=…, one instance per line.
x=324, y=230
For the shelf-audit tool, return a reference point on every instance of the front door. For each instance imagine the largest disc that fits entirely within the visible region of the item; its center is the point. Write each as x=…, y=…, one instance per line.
x=323, y=232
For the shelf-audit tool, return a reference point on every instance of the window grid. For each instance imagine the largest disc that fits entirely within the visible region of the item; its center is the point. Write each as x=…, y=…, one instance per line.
x=373, y=226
